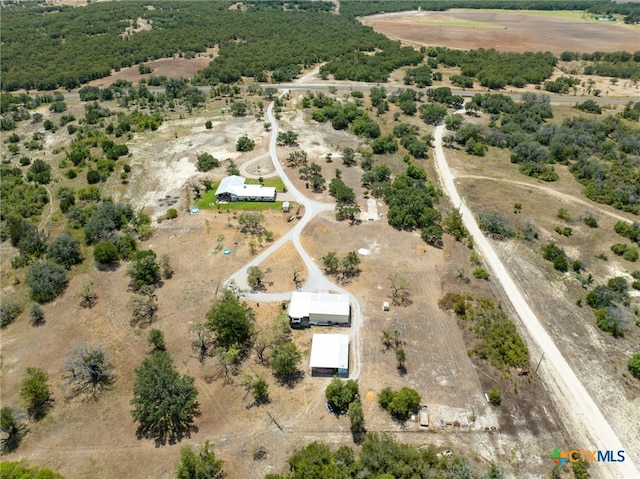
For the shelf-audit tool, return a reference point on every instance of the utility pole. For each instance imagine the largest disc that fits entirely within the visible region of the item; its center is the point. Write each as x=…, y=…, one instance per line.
x=541, y=357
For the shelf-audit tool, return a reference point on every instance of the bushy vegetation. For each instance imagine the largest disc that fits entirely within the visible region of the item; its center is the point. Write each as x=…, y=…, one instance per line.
x=497, y=339
x=340, y=394
x=47, y=280
x=380, y=456
x=400, y=404
x=410, y=202
x=554, y=253
x=201, y=464
x=609, y=303
x=21, y=470
x=604, y=160
x=9, y=311
x=634, y=365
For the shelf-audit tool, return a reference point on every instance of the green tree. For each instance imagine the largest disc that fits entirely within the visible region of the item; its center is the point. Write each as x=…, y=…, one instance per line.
x=454, y=226
x=35, y=392
x=287, y=138
x=350, y=264
x=433, y=113
x=255, y=275
x=276, y=332
x=36, y=313
x=331, y=262
x=245, y=143
x=404, y=403
x=21, y=470
x=40, y=172
x=105, y=252
x=341, y=393
x=144, y=270
x=285, y=360
x=65, y=250
x=495, y=396
x=228, y=360
x=9, y=311
x=87, y=295
x=156, y=340
x=201, y=464
x=13, y=425
x=634, y=365
x=231, y=321
x=164, y=402
x=257, y=385
x=47, y=280
x=580, y=469
x=206, y=162
x=356, y=417
x=87, y=370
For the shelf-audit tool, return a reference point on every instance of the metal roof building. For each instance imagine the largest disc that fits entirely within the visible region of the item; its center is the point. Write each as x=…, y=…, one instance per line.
x=319, y=308
x=330, y=355
x=233, y=188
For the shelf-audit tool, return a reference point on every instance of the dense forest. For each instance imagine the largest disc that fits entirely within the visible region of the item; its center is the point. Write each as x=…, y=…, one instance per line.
x=47, y=47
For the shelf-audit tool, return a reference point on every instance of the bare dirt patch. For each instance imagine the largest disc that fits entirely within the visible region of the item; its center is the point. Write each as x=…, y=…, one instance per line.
x=175, y=67
x=504, y=31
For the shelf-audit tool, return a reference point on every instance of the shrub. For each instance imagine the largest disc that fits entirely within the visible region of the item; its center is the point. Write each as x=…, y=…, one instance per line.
x=207, y=162
x=590, y=219
x=609, y=320
x=105, y=252
x=35, y=392
x=630, y=254
x=8, y=313
x=46, y=280
x=245, y=143
x=172, y=213
x=93, y=177
x=634, y=365
x=563, y=214
x=496, y=224
x=495, y=396
x=481, y=273
x=619, y=248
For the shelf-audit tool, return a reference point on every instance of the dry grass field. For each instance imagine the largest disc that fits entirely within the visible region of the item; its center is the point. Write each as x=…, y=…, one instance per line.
x=510, y=31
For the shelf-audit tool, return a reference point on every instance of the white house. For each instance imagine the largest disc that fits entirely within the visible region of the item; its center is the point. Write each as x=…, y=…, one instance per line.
x=330, y=355
x=319, y=308
x=232, y=188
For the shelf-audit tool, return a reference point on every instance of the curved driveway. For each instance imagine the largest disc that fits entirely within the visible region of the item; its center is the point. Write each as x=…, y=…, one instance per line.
x=581, y=412
x=316, y=280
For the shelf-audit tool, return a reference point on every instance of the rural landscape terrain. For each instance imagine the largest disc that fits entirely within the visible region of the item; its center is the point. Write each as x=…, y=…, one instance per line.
x=469, y=177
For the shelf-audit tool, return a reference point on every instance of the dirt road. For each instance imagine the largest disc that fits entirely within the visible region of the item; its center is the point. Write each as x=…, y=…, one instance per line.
x=584, y=420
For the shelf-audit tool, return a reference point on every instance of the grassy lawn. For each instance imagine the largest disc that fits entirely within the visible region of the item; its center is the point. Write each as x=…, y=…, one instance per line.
x=208, y=200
